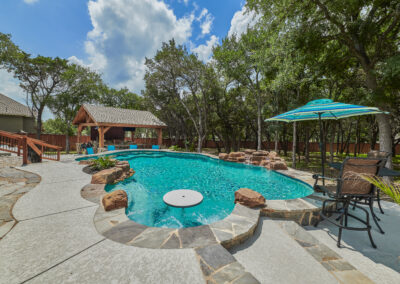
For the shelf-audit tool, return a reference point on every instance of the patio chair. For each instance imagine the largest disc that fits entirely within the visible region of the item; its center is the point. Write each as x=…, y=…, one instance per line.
x=155, y=147
x=350, y=186
x=384, y=156
x=133, y=147
x=110, y=148
x=90, y=151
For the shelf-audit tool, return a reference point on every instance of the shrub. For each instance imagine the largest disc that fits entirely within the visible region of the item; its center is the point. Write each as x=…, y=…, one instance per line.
x=390, y=189
x=175, y=148
x=103, y=163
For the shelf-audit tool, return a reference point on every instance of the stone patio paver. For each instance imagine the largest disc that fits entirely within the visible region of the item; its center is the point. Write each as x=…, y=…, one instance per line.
x=381, y=265
x=111, y=262
x=273, y=257
x=59, y=242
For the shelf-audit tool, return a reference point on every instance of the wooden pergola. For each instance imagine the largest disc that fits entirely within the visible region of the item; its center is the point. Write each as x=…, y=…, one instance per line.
x=105, y=118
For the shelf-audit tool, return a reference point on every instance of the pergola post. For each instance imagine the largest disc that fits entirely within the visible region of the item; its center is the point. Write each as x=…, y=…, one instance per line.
x=101, y=136
x=159, y=136
x=79, y=134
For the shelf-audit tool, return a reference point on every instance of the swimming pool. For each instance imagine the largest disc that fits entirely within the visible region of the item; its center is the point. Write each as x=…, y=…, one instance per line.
x=159, y=172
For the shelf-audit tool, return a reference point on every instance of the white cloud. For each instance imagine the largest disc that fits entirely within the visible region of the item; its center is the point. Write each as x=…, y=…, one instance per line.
x=206, y=21
x=9, y=86
x=31, y=1
x=125, y=32
x=241, y=21
x=206, y=24
x=204, y=51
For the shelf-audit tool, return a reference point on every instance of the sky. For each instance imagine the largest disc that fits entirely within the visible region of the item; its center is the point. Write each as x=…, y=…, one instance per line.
x=114, y=37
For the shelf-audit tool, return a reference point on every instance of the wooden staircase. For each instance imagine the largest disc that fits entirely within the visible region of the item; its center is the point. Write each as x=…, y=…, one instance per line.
x=31, y=150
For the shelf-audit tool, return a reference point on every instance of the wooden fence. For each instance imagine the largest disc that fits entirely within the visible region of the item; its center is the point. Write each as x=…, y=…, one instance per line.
x=59, y=140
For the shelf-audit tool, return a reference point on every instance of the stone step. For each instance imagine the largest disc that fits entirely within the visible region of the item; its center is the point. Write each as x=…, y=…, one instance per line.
x=273, y=256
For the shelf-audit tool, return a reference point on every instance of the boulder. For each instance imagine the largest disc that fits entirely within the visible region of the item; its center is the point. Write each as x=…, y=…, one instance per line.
x=273, y=155
x=236, y=154
x=256, y=163
x=222, y=156
x=86, y=162
x=124, y=166
x=258, y=158
x=264, y=163
x=249, y=151
x=125, y=175
x=107, y=176
x=249, y=198
x=115, y=200
x=260, y=154
x=241, y=159
x=277, y=165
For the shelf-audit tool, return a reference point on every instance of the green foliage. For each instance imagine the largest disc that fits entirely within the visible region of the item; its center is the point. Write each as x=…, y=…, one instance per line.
x=102, y=163
x=175, y=148
x=57, y=126
x=390, y=189
x=122, y=98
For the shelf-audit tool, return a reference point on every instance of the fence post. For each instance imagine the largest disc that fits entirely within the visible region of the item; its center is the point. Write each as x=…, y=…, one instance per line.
x=24, y=150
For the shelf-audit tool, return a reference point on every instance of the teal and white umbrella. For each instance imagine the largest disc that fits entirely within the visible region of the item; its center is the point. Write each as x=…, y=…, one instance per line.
x=324, y=109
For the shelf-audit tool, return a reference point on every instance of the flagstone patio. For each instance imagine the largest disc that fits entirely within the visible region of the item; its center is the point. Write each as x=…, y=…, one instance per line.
x=60, y=235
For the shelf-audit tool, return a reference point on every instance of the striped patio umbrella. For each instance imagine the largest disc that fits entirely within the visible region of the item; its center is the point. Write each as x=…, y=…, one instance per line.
x=324, y=109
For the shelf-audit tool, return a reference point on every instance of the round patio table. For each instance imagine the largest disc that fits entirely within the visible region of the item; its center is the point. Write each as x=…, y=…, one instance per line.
x=183, y=198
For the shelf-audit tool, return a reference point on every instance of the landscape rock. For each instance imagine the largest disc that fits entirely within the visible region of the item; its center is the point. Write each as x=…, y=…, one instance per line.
x=124, y=165
x=277, y=165
x=249, y=198
x=260, y=153
x=223, y=156
x=249, y=151
x=85, y=162
x=107, y=176
x=258, y=158
x=236, y=154
x=125, y=175
x=115, y=200
x=272, y=155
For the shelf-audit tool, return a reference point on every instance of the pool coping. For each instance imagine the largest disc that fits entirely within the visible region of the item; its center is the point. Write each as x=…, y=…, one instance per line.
x=228, y=232
x=116, y=226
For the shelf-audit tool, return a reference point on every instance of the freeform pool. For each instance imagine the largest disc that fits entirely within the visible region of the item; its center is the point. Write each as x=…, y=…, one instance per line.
x=159, y=172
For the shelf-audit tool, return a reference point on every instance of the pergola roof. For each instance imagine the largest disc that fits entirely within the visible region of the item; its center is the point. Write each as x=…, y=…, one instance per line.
x=101, y=115
x=10, y=107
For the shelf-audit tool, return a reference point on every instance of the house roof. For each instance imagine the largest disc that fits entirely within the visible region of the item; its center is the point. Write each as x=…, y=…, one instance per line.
x=9, y=106
x=112, y=115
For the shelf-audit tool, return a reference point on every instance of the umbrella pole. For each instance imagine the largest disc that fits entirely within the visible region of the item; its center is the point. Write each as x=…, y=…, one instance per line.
x=321, y=146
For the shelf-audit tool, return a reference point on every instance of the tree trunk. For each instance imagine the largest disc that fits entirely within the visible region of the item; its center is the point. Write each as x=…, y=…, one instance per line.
x=385, y=136
x=39, y=123
x=67, y=142
x=276, y=141
x=294, y=145
x=259, y=123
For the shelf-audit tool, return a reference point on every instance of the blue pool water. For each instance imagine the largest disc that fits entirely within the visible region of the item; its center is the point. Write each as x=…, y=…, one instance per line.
x=160, y=172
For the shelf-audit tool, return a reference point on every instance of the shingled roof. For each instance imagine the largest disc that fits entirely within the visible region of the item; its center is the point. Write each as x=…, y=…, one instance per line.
x=112, y=115
x=9, y=106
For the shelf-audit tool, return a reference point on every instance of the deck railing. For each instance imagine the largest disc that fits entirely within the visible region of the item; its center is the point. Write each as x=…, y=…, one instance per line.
x=24, y=145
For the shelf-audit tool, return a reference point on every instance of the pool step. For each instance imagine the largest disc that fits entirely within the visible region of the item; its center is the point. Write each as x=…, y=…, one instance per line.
x=283, y=252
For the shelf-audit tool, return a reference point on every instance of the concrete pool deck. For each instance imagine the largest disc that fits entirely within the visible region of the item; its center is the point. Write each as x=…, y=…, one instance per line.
x=56, y=240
